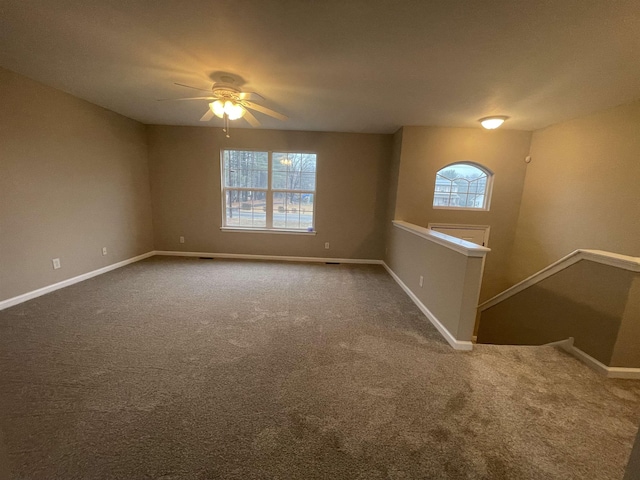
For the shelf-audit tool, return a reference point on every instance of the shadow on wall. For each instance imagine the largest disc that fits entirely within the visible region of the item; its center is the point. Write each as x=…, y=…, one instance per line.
x=537, y=316
x=592, y=297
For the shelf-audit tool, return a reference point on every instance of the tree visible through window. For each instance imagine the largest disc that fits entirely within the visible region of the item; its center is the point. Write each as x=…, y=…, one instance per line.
x=462, y=185
x=268, y=190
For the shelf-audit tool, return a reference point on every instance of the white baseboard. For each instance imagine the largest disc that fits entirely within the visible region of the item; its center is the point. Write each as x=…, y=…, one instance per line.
x=10, y=302
x=282, y=258
x=610, y=372
x=455, y=343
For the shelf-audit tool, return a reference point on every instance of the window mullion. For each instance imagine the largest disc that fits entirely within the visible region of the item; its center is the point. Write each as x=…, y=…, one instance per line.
x=269, y=203
x=276, y=190
x=223, y=189
x=224, y=206
x=461, y=185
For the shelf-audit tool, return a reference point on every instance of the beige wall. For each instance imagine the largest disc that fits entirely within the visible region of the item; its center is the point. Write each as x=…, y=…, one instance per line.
x=73, y=178
x=627, y=349
x=394, y=172
x=352, y=189
x=581, y=190
x=425, y=150
x=588, y=301
x=451, y=279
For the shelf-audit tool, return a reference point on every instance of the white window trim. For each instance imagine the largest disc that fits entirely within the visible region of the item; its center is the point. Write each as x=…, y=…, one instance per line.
x=488, y=191
x=276, y=231
x=485, y=228
x=269, y=196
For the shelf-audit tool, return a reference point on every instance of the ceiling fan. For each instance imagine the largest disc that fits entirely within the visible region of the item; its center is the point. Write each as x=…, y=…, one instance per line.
x=229, y=102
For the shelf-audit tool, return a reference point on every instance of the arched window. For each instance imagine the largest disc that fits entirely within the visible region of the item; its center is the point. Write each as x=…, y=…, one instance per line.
x=463, y=185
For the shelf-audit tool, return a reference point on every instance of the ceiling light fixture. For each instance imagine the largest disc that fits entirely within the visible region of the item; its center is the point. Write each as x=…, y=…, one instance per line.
x=227, y=110
x=233, y=110
x=227, y=101
x=493, y=122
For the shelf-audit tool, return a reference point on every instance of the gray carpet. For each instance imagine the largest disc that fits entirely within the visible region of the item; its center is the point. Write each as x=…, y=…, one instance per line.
x=221, y=369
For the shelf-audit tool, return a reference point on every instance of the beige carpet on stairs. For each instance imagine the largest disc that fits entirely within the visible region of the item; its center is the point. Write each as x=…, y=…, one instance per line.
x=176, y=368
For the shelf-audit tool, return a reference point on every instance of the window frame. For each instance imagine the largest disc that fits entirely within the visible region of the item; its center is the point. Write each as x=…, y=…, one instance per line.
x=269, y=193
x=487, y=192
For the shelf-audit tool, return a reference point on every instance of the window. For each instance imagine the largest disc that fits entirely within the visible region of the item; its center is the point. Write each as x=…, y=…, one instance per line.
x=268, y=190
x=464, y=186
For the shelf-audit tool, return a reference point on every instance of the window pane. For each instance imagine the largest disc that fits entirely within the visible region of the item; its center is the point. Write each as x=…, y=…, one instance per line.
x=279, y=180
x=292, y=210
x=460, y=185
x=308, y=181
x=246, y=208
x=245, y=168
x=308, y=162
x=294, y=171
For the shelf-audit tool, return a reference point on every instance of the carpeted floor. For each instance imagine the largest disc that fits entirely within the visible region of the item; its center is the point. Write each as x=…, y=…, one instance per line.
x=218, y=369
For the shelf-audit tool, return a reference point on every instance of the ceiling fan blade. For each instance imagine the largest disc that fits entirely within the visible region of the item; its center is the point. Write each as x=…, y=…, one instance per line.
x=249, y=117
x=265, y=110
x=195, y=88
x=207, y=116
x=250, y=96
x=186, y=98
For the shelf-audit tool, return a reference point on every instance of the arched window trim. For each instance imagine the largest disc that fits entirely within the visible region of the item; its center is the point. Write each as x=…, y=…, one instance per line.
x=487, y=192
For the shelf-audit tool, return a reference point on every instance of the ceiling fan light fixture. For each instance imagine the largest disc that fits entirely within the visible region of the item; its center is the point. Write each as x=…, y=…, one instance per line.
x=217, y=108
x=229, y=108
x=235, y=111
x=229, y=102
x=493, y=122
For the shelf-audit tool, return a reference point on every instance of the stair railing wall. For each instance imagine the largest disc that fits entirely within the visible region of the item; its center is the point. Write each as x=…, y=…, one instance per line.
x=589, y=295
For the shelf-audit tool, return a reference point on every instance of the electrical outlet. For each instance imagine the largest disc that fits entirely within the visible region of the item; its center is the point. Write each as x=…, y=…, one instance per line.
x=421, y=280
x=181, y=239
x=326, y=245
x=104, y=250
x=56, y=263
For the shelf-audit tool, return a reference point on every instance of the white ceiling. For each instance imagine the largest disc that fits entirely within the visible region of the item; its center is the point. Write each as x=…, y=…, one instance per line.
x=348, y=65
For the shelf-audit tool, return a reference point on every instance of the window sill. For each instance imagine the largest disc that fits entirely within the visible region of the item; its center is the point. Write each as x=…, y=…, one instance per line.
x=467, y=209
x=277, y=231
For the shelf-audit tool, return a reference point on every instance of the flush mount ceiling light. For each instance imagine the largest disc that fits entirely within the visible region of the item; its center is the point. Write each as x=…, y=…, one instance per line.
x=492, y=122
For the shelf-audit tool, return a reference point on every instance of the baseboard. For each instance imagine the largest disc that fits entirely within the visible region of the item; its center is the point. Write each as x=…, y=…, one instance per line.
x=10, y=302
x=455, y=343
x=281, y=258
x=598, y=366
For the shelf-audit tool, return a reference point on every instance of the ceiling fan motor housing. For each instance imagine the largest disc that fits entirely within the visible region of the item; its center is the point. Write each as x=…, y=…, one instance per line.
x=225, y=92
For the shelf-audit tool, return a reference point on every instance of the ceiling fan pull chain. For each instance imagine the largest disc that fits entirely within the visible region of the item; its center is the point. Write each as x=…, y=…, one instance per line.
x=226, y=125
